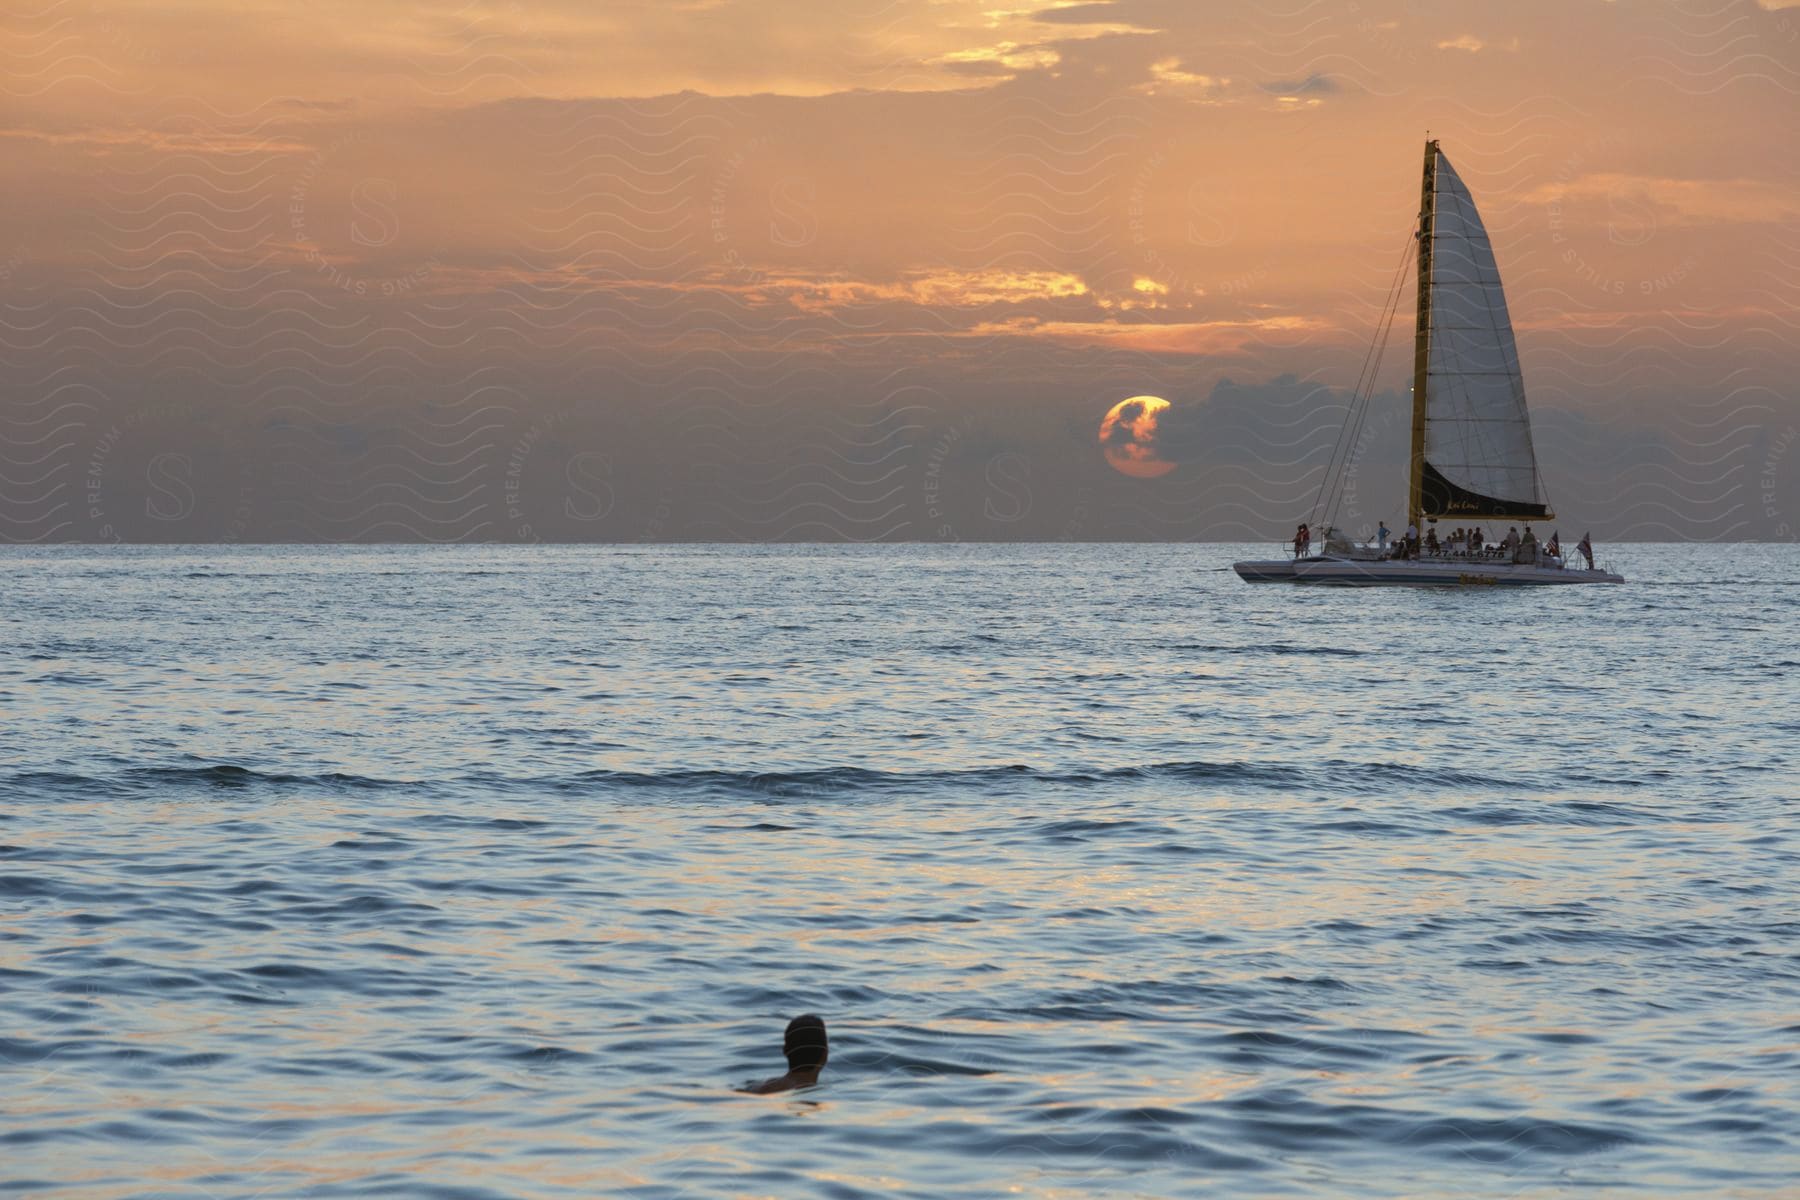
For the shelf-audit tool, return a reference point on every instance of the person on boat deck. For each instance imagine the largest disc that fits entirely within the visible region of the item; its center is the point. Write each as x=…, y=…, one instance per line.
x=1412, y=540
x=1511, y=540
x=1431, y=540
x=1527, y=549
x=1475, y=539
x=806, y=1050
x=1382, y=535
x=1302, y=539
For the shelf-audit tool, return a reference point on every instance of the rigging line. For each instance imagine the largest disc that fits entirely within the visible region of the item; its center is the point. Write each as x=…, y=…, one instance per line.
x=1359, y=415
x=1346, y=441
x=1384, y=323
x=1363, y=413
x=1340, y=445
x=1330, y=492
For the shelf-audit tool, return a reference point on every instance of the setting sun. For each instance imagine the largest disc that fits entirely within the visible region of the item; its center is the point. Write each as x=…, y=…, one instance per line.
x=1128, y=437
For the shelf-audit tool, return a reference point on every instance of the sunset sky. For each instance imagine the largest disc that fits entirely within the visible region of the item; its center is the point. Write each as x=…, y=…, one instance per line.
x=638, y=271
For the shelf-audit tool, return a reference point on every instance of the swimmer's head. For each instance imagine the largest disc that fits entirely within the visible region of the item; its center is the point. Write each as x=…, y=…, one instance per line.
x=804, y=1044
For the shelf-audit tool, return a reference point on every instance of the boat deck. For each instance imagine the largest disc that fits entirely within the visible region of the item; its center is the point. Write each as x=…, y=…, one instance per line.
x=1430, y=571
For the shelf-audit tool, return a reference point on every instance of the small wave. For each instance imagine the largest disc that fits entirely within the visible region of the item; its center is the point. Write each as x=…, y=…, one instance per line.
x=1573, y=812
x=1284, y=1121
x=910, y=1064
x=160, y=782
x=1337, y=775
x=216, y=775
x=232, y=775
x=1079, y=826
x=1269, y=648
x=837, y=780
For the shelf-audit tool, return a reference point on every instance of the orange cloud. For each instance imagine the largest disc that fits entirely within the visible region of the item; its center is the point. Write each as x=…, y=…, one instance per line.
x=1475, y=45
x=162, y=141
x=932, y=287
x=1219, y=338
x=1689, y=201
x=1169, y=78
x=1010, y=56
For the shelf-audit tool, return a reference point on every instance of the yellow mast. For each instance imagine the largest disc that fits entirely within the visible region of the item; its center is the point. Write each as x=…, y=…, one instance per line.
x=1422, y=338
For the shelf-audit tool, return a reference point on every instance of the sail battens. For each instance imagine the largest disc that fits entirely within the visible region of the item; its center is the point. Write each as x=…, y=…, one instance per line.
x=1475, y=451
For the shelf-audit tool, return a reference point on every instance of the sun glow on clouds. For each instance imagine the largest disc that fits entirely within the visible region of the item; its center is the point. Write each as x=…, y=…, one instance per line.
x=1145, y=294
x=1222, y=339
x=1474, y=45
x=379, y=55
x=948, y=289
x=992, y=286
x=938, y=287
x=1010, y=55
x=1168, y=78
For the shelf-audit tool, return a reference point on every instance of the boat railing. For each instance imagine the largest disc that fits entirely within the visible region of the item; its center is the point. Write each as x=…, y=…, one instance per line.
x=1488, y=555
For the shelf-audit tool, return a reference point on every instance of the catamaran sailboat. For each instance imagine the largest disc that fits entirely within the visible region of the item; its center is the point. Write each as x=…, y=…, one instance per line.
x=1472, y=456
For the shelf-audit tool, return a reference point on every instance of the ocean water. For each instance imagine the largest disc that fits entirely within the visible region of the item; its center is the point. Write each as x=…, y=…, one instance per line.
x=490, y=872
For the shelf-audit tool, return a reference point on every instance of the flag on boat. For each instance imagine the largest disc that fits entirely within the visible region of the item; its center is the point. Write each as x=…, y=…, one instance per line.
x=1555, y=546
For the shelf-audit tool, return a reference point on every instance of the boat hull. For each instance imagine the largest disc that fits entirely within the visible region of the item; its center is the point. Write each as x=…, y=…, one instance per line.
x=1342, y=572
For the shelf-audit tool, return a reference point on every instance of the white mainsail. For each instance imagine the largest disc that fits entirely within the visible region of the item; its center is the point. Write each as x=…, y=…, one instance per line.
x=1478, y=457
